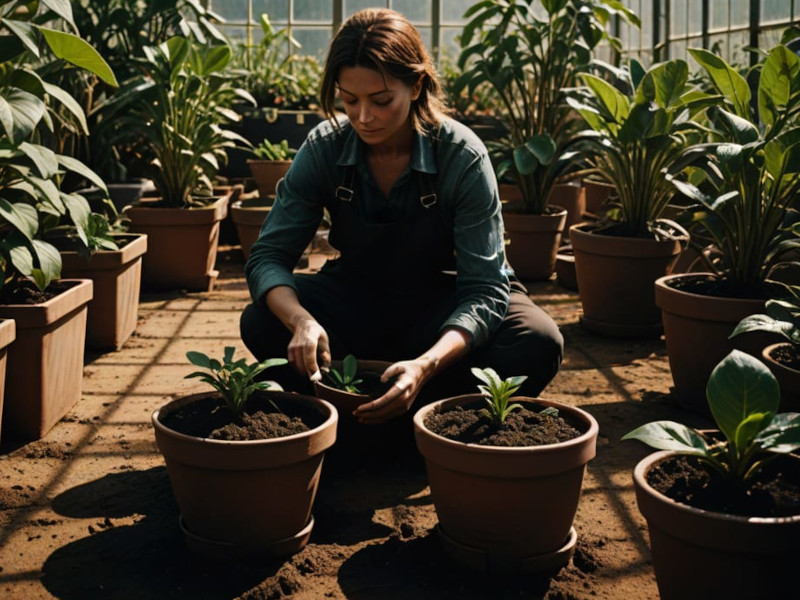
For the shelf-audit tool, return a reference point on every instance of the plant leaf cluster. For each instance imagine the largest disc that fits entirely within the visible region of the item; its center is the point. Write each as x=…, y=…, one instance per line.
x=275, y=151
x=346, y=379
x=781, y=316
x=498, y=393
x=235, y=380
x=744, y=398
x=530, y=52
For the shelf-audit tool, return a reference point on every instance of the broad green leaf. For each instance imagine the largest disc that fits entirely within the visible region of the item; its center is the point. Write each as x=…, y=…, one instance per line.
x=26, y=110
x=749, y=428
x=49, y=259
x=740, y=386
x=760, y=322
x=25, y=33
x=783, y=433
x=43, y=159
x=349, y=367
x=216, y=59
x=23, y=217
x=726, y=80
x=663, y=84
x=68, y=102
x=62, y=8
x=613, y=101
x=76, y=166
x=79, y=211
x=543, y=147
x=669, y=435
x=741, y=129
x=80, y=53
x=524, y=160
x=228, y=354
x=198, y=358
x=775, y=83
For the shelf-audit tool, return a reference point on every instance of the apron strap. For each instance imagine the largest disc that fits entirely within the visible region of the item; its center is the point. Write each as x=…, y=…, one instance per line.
x=344, y=190
x=346, y=193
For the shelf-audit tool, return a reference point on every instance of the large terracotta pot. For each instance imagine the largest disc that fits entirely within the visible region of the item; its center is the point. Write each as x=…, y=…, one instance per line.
x=182, y=244
x=248, y=216
x=696, y=332
x=246, y=498
x=44, y=373
x=788, y=378
x=533, y=242
x=615, y=277
x=700, y=554
x=8, y=334
x=267, y=174
x=502, y=508
x=597, y=193
x=572, y=198
x=116, y=274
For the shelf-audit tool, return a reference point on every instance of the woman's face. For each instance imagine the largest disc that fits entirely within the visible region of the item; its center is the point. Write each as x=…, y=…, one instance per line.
x=379, y=109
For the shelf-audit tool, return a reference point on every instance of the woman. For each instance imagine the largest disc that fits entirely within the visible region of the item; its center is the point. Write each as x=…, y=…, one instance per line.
x=421, y=280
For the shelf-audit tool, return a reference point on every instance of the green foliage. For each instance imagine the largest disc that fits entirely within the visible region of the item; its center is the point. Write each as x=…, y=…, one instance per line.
x=41, y=37
x=636, y=138
x=279, y=151
x=345, y=379
x=498, y=392
x=529, y=52
x=781, y=316
x=744, y=398
x=234, y=380
x=744, y=182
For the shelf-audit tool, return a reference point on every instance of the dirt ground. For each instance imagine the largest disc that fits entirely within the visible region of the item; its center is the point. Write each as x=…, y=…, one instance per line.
x=87, y=511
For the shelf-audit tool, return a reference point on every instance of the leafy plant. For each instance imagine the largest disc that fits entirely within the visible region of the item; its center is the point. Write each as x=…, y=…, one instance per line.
x=781, y=316
x=744, y=181
x=498, y=392
x=744, y=397
x=345, y=379
x=636, y=139
x=234, y=380
x=529, y=52
x=278, y=151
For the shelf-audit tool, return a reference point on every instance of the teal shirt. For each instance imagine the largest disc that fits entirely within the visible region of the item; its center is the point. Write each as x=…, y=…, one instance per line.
x=466, y=187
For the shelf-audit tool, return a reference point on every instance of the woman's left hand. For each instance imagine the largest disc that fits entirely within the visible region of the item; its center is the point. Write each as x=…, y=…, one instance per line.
x=409, y=377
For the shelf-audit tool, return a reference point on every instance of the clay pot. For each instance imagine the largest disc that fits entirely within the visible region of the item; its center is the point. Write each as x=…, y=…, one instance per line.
x=246, y=498
x=572, y=198
x=267, y=174
x=507, y=509
x=344, y=401
x=533, y=242
x=700, y=554
x=788, y=378
x=248, y=216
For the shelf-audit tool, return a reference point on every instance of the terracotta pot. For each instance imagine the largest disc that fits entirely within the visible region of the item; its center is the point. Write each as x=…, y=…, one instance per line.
x=246, y=498
x=788, y=378
x=615, y=277
x=597, y=192
x=267, y=174
x=8, y=334
x=506, y=509
x=44, y=373
x=116, y=274
x=696, y=330
x=700, y=554
x=533, y=242
x=572, y=198
x=182, y=244
x=565, y=268
x=248, y=218
x=346, y=402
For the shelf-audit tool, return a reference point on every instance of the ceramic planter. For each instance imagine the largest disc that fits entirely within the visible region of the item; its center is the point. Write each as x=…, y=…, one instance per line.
x=346, y=402
x=117, y=275
x=615, y=277
x=700, y=554
x=8, y=333
x=505, y=509
x=248, y=216
x=246, y=498
x=267, y=174
x=788, y=378
x=181, y=244
x=44, y=372
x=696, y=330
x=533, y=242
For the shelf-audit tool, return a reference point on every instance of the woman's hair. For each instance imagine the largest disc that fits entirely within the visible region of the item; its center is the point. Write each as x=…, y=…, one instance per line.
x=384, y=40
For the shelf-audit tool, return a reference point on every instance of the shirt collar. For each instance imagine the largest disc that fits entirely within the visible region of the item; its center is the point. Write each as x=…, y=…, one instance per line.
x=423, y=158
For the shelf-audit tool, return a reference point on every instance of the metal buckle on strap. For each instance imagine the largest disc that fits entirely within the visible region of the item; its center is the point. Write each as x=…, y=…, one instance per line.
x=428, y=200
x=345, y=194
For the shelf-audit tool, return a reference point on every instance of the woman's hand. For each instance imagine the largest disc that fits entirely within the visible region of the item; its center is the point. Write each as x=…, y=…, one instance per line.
x=409, y=377
x=309, y=349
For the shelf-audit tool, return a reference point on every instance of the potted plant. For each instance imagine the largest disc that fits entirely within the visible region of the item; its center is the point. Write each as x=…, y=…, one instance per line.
x=722, y=507
x=179, y=113
x=45, y=364
x=529, y=52
x=348, y=383
x=505, y=504
x=270, y=165
x=244, y=461
x=635, y=140
x=742, y=184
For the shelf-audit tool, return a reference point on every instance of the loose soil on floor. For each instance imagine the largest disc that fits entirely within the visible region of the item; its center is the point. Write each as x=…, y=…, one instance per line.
x=87, y=511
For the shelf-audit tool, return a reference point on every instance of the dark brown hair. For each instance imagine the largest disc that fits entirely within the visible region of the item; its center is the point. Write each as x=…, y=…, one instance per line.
x=385, y=41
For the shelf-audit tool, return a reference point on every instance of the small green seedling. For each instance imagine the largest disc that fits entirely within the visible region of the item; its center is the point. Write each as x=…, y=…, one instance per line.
x=346, y=378
x=235, y=380
x=744, y=397
x=275, y=151
x=498, y=392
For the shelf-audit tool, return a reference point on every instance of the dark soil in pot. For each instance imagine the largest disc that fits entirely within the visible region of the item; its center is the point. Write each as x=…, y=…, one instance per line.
x=371, y=384
x=712, y=285
x=470, y=423
x=27, y=292
x=261, y=419
x=775, y=492
x=787, y=355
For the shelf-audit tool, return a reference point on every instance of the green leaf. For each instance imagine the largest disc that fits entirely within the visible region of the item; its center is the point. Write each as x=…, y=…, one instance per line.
x=198, y=358
x=780, y=70
x=62, y=8
x=80, y=53
x=613, y=102
x=22, y=217
x=663, y=84
x=749, y=428
x=669, y=435
x=782, y=435
x=49, y=259
x=26, y=111
x=69, y=103
x=740, y=386
x=76, y=166
x=25, y=33
x=726, y=80
x=349, y=368
x=43, y=159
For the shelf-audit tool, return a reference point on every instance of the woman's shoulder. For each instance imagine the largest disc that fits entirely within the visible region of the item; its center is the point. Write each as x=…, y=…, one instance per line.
x=326, y=131
x=455, y=134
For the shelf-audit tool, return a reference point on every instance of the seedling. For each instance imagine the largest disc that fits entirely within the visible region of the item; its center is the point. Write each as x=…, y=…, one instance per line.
x=346, y=378
x=498, y=392
x=744, y=397
x=274, y=151
x=234, y=380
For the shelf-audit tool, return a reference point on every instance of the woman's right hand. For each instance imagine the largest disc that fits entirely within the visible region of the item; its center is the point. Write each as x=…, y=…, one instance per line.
x=309, y=349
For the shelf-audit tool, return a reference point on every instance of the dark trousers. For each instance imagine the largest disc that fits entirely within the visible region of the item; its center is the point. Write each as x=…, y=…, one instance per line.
x=396, y=323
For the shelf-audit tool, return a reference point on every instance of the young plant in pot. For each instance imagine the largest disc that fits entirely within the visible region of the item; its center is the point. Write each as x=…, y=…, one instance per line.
x=244, y=460
x=505, y=474
x=635, y=140
x=529, y=52
x=723, y=508
x=350, y=382
x=743, y=184
x=270, y=165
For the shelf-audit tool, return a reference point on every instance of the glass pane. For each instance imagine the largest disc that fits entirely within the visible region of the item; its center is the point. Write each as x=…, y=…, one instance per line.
x=278, y=10
x=449, y=48
x=718, y=14
x=416, y=11
x=773, y=10
x=740, y=12
x=314, y=41
x=718, y=44
x=453, y=10
x=738, y=41
x=313, y=10
x=236, y=34
x=351, y=6
x=695, y=18
x=230, y=10
x=426, y=33
x=678, y=18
